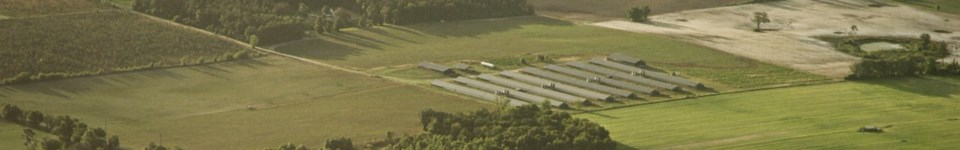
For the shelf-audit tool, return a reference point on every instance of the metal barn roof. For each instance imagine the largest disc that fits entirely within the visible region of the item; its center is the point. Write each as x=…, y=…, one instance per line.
x=435, y=67
x=623, y=75
x=578, y=82
x=558, y=86
x=647, y=73
x=475, y=93
x=511, y=93
x=626, y=59
x=607, y=81
x=532, y=89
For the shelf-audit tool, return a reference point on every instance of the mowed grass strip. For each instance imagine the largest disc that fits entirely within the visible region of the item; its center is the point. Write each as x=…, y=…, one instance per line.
x=512, y=38
x=918, y=113
x=27, y=8
x=105, y=41
x=206, y=107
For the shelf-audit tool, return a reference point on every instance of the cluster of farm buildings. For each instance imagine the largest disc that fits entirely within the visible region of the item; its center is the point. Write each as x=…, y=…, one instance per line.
x=602, y=79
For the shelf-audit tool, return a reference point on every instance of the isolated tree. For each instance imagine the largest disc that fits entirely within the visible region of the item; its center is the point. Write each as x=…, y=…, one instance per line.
x=254, y=41
x=113, y=143
x=760, y=18
x=303, y=9
x=11, y=113
x=320, y=25
x=339, y=144
x=639, y=14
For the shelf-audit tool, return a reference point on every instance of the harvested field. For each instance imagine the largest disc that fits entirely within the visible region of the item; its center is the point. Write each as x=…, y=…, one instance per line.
x=102, y=41
x=794, y=23
x=916, y=113
x=593, y=10
x=206, y=107
x=30, y=8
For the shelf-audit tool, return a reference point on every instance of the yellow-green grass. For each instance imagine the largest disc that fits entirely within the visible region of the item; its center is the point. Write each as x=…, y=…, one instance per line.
x=206, y=107
x=613, y=9
x=507, y=39
x=950, y=6
x=27, y=8
x=103, y=41
x=11, y=136
x=918, y=113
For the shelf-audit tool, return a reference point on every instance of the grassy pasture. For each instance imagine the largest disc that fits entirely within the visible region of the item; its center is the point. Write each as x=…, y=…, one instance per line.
x=206, y=107
x=107, y=41
x=505, y=40
x=592, y=10
x=950, y=6
x=27, y=8
x=921, y=114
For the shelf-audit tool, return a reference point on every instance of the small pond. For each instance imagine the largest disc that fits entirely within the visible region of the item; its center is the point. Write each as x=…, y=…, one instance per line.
x=881, y=46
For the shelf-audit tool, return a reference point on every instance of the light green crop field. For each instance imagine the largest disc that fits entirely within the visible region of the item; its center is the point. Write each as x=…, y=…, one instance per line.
x=206, y=107
x=950, y=6
x=918, y=113
x=512, y=38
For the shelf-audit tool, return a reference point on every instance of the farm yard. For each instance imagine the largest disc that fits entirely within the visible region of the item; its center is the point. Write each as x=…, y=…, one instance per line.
x=565, y=86
x=102, y=42
x=206, y=106
x=701, y=75
x=505, y=41
x=917, y=113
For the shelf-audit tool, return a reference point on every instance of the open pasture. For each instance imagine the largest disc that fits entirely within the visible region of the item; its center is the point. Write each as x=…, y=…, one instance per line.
x=917, y=113
x=209, y=106
x=950, y=6
x=31, y=8
x=508, y=39
x=102, y=41
x=592, y=10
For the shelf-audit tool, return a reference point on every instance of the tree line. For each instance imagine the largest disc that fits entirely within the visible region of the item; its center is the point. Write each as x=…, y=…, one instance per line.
x=275, y=21
x=529, y=127
x=70, y=132
x=919, y=57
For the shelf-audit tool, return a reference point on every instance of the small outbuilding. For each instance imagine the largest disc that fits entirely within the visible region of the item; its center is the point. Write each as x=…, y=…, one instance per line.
x=871, y=129
x=461, y=66
x=436, y=67
x=626, y=59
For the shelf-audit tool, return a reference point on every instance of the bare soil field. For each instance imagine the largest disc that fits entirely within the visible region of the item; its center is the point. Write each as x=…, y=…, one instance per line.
x=794, y=24
x=592, y=10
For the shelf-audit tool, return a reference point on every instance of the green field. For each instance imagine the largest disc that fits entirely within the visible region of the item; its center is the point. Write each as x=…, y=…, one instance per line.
x=104, y=41
x=206, y=107
x=591, y=10
x=31, y=8
x=920, y=113
x=505, y=40
x=11, y=136
x=950, y=6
